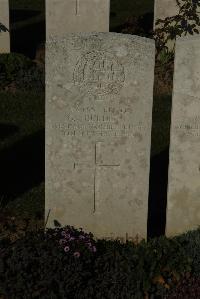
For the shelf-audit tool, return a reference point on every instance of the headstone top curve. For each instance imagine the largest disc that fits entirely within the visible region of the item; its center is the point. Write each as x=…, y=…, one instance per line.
x=54, y=39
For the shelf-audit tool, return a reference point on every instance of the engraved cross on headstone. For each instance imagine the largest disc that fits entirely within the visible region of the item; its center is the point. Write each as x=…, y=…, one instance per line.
x=77, y=7
x=95, y=166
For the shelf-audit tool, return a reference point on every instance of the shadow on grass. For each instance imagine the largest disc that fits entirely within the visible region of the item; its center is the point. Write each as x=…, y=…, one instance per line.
x=22, y=166
x=158, y=194
x=6, y=130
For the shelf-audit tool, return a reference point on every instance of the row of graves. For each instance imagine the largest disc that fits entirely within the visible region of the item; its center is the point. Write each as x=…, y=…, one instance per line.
x=99, y=100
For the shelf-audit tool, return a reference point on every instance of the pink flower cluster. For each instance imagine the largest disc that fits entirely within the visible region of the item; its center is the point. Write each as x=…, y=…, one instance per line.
x=72, y=240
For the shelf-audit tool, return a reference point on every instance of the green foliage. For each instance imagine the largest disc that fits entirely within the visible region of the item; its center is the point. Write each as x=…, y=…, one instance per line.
x=11, y=64
x=37, y=264
x=186, y=22
x=164, y=261
x=188, y=288
x=190, y=242
x=165, y=56
x=20, y=71
x=73, y=241
x=117, y=270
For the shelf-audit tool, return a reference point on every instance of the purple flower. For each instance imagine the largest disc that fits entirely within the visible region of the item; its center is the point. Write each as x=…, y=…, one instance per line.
x=62, y=241
x=71, y=239
x=81, y=237
x=94, y=249
x=66, y=249
x=67, y=236
x=77, y=254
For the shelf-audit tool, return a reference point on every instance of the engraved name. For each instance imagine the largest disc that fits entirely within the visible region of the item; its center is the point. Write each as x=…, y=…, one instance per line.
x=191, y=129
x=71, y=129
x=100, y=121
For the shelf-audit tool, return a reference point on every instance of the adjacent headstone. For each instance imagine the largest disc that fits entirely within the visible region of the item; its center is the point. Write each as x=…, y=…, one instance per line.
x=183, y=212
x=98, y=130
x=4, y=27
x=76, y=16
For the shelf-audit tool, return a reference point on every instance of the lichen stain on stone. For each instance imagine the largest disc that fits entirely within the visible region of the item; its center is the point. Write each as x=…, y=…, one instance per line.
x=58, y=212
x=121, y=51
x=122, y=140
x=138, y=202
x=78, y=191
x=138, y=136
x=143, y=163
x=71, y=184
x=180, y=216
x=122, y=175
x=130, y=203
x=127, y=161
x=129, y=167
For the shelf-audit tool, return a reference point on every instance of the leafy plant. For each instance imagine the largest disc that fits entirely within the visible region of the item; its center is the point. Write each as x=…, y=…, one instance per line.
x=165, y=57
x=11, y=63
x=37, y=265
x=68, y=263
x=118, y=272
x=190, y=242
x=186, y=22
x=21, y=71
x=164, y=262
x=188, y=288
x=32, y=78
x=73, y=241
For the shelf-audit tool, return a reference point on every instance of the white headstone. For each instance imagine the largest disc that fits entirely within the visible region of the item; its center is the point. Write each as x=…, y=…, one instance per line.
x=98, y=131
x=4, y=24
x=68, y=16
x=183, y=211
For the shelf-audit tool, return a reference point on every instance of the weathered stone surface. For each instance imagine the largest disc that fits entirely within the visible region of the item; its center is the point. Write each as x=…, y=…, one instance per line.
x=183, y=212
x=98, y=130
x=4, y=23
x=76, y=16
